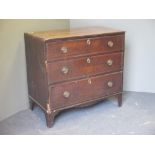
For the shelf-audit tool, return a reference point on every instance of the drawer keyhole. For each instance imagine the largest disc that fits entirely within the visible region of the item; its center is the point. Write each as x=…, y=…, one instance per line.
x=89, y=81
x=88, y=42
x=88, y=60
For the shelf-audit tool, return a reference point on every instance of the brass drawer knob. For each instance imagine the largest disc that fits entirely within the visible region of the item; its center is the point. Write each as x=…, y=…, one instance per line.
x=110, y=44
x=88, y=42
x=66, y=94
x=88, y=60
x=110, y=84
x=64, y=70
x=110, y=62
x=64, y=49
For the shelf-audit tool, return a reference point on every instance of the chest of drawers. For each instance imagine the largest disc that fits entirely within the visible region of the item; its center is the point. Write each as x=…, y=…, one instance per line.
x=71, y=68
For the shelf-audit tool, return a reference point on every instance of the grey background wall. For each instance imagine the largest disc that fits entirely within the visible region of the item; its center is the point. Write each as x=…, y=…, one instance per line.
x=13, y=84
x=139, y=66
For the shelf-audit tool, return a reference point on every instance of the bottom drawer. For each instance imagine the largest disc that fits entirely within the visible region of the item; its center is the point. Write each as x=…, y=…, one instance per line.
x=76, y=92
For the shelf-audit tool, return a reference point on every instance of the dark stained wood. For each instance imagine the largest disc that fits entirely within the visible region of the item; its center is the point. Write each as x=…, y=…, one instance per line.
x=36, y=69
x=83, y=67
x=120, y=100
x=85, y=89
x=49, y=119
x=32, y=104
x=88, y=78
x=81, y=46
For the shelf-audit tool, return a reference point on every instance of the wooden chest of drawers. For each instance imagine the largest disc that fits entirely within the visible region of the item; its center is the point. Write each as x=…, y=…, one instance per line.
x=77, y=67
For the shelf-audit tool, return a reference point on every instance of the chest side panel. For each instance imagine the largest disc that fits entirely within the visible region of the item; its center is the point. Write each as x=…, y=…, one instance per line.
x=36, y=69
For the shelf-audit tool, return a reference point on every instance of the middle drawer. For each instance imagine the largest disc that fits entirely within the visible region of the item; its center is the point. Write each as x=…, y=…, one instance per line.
x=83, y=67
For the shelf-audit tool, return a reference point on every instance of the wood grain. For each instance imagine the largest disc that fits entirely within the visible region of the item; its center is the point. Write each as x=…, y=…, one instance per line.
x=80, y=68
x=88, y=76
x=36, y=70
x=83, y=90
x=80, y=47
x=74, y=33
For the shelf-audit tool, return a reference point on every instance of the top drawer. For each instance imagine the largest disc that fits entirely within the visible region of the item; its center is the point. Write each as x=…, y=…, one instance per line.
x=64, y=49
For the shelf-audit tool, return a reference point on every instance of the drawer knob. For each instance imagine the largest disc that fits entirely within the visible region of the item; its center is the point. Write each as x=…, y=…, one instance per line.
x=109, y=62
x=88, y=60
x=88, y=42
x=64, y=70
x=64, y=49
x=110, y=43
x=110, y=84
x=66, y=94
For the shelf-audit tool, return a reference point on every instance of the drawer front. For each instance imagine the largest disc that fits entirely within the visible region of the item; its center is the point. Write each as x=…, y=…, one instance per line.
x=84, y=67
x=71, y=93
x=62, y=49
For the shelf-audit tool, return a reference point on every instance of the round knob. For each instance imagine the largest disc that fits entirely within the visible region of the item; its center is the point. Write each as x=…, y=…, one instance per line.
x=110, y=43
x=88, y=41
x=66, y=94
x=64, y=70
x=110, y=84
x=109, y=62
x=88, y=60
x=64, y=49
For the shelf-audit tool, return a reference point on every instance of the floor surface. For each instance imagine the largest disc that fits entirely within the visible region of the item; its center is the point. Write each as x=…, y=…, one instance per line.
x=136, y=116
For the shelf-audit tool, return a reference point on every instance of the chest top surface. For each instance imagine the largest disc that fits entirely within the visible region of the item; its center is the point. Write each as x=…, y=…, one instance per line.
x=73, y=33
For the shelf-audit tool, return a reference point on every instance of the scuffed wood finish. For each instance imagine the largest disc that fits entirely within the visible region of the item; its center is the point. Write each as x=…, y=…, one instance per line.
x=74, y=33
x=36, y=70
x=79, y=75
x=80, y=47
x=84, y=90
x=80, y=68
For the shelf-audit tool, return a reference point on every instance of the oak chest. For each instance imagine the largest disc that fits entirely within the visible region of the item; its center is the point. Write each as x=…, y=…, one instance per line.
x=76, y=67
